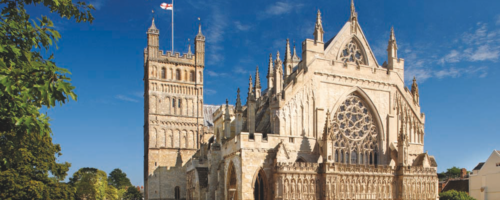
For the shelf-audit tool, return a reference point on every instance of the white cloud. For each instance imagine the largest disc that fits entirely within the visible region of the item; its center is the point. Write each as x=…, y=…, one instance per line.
x=126, y=98
x=209, y=91
x=452, y=57
x=240, y=70
x=481, y=44
x=215, y=74
x=98, y=4
x=279, y=8
x=215, y=35
x=241, y=27
x=485, y=52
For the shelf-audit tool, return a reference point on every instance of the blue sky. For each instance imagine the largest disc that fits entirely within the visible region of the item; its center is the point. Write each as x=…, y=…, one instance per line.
x=451, y=46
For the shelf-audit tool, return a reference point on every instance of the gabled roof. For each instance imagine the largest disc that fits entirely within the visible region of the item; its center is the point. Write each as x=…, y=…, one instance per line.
x=457, y=184
x=479, y=166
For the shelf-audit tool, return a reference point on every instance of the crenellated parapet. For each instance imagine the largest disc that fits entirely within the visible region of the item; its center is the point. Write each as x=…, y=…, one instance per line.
x=297, y=167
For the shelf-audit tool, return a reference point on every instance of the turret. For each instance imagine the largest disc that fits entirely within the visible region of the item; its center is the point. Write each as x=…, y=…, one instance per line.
x=278, y=74
x=314, y=48
x=392, y=50
x=227, y=121
x=199, y=48
x=393, y=62
x=257, y=87
x=288, y=61
x=239, y=113
x=153, y=41
x=318, y=30
x=414, y=91
x=251, y=109
x=354, y=18
x=295, y=58
x=270, y=74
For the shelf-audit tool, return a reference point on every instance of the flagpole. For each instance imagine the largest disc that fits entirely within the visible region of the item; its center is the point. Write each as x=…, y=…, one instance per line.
x=173, y=52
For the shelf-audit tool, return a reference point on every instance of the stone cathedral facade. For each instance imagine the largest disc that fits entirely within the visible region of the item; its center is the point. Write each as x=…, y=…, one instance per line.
x=334, y=124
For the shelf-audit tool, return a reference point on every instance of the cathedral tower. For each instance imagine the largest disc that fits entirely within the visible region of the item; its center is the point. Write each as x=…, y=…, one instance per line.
x=173, y=117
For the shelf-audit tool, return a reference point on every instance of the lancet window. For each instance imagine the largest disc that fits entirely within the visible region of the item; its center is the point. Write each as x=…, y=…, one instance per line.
x=353, y=53
x=353, y=133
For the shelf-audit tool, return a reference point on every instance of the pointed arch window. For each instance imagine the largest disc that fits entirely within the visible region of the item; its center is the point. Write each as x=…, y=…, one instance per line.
x=192, y=77
x=259, y=190
x=353, y=122
x=353, y=53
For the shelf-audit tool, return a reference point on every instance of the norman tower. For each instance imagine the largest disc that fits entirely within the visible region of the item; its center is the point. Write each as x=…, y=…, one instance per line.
x=173, y=117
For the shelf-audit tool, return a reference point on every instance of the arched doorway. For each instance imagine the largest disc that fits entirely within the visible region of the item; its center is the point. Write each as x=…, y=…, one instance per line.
x=232, y=187
x=260, y=186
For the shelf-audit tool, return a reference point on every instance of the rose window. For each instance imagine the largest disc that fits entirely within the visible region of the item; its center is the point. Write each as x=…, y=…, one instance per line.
x=352, y=53
x=353, y=120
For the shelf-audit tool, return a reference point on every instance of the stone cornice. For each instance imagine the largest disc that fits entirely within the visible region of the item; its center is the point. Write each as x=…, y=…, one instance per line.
x=365, y=82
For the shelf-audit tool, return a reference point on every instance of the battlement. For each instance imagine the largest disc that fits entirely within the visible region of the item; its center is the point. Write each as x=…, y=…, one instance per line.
x=297, y=167
x=176, y=57
x=357, y=168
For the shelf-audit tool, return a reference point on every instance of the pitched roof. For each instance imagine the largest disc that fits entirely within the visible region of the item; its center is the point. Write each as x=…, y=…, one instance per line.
x=457, y=184
x=479, y=166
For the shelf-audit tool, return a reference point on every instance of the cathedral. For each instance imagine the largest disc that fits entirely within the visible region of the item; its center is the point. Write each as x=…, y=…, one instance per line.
x=331, y=124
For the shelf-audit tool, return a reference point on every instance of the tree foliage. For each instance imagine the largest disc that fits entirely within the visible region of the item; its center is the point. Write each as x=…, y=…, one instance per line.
x=454, y=195
x=111, y=193
x=90, y=183
x=118, y=179
x=132, y=194
x=29, y=81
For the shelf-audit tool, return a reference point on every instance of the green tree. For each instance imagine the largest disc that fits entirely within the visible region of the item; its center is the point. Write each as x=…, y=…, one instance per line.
x=453, y=172
x=118, y=179
x=121, y=193
x=133, y=194
x=90, y=183
x=454, y=195
x=111, y=193
x=29, y=81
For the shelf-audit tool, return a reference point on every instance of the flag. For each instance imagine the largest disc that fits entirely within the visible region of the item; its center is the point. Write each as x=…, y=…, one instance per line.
x=166, y=6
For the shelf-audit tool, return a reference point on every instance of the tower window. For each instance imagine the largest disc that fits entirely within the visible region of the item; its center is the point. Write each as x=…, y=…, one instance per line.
x=163, y=73
x=178, y=74
x=192, y=77
x=179, y=105
x=173, y=103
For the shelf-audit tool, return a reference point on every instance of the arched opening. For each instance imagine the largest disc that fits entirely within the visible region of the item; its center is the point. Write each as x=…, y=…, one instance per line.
x=354, y=157
x=177, y=192
x=192, y=76
x=178, y=74
x=163, y=73
x=336, y=155
x=259, y=189
x=232, y=187
x=300, y=159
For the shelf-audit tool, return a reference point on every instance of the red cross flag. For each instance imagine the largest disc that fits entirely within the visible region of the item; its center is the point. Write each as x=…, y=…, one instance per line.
x=166, y=6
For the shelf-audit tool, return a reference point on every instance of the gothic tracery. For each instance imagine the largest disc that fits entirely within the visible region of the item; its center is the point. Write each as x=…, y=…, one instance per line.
x=352, y=52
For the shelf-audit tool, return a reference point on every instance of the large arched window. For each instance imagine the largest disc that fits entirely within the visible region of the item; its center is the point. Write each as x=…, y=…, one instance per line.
x=353, y=124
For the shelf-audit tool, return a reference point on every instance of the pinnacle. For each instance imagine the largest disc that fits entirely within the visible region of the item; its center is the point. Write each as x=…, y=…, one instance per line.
x=153, y=26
